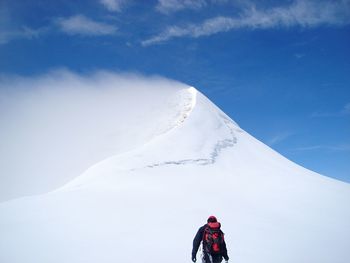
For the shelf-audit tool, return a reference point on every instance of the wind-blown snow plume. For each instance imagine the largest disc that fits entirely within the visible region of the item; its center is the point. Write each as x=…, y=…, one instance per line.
x=55, y=126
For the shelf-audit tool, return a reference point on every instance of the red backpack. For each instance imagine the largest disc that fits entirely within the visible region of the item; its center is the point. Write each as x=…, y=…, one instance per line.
x=213, y=238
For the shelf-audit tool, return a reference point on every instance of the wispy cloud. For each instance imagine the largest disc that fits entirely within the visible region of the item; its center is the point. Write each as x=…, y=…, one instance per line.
x=82, y=25
x=346, y=109
x=299, y=55
x=22, y=33
x=304, y=13
x=170, y=6
x=343, y=112
x=74, y=25
x=279, y=138
x=208, y=27
x=345, y=147
x=114, y=5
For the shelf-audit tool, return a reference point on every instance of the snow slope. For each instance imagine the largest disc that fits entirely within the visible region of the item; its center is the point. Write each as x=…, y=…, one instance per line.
x=145, y=203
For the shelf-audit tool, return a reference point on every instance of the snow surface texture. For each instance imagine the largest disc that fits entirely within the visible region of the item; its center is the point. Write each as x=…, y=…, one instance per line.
x=179, y=160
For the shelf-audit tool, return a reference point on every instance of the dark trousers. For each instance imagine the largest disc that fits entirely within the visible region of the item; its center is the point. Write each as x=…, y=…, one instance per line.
x=207, y=258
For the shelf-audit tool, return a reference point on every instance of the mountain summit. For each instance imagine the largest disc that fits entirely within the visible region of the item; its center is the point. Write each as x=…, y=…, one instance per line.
x=167, y=159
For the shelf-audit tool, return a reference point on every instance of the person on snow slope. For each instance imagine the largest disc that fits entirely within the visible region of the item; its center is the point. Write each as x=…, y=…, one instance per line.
x=213, y=242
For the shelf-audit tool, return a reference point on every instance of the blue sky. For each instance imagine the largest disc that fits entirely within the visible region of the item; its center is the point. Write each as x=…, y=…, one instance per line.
x=281, y=69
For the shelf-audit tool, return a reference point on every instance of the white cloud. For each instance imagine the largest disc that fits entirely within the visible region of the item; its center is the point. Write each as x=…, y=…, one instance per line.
x=169, y=6
x=208, y=27
x=75, y=25
x=300, y=13
x=113, y=5
x=305, y=13
x=59, y=124
x=81, y=25
x=22, y=33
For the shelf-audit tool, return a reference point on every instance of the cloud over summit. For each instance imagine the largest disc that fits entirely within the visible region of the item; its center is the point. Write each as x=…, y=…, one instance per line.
x=50, y=124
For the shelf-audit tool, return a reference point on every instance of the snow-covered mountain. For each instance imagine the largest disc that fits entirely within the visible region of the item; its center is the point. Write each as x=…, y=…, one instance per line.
x=164, y=159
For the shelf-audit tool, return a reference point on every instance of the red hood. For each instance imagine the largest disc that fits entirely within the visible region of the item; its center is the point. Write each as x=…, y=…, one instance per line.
x=214, y=225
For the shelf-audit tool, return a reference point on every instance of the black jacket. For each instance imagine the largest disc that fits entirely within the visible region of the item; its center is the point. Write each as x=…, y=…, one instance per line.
x=199, y=238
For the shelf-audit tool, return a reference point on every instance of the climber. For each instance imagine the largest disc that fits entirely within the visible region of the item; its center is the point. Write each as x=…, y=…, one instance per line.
x=213, y=242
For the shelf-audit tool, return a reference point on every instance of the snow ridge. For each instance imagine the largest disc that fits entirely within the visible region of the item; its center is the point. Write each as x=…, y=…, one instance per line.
x=218, y=148
x=183, y=106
